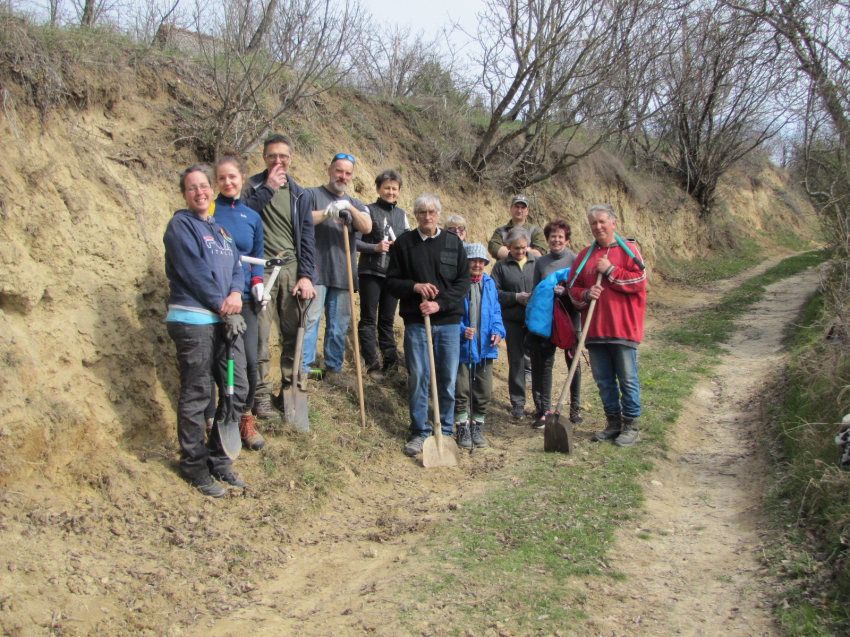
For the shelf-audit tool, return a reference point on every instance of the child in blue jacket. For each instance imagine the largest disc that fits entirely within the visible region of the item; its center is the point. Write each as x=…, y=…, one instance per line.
x=481, y=331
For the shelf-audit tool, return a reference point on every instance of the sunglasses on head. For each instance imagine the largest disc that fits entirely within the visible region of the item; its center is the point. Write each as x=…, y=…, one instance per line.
x=343, y=156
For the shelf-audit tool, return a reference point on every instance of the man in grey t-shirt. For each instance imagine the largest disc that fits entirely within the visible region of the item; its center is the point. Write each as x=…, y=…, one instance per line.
x=334, y=208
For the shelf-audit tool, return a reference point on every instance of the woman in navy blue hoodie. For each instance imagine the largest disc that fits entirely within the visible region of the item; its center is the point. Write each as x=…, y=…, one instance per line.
x=246, y=227
x=206, y=284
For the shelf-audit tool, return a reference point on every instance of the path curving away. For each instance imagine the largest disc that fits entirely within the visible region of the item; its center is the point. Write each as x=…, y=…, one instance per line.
x=692, y=564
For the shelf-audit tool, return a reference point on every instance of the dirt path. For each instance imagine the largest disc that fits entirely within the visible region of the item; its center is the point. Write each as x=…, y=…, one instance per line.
x=691, y=565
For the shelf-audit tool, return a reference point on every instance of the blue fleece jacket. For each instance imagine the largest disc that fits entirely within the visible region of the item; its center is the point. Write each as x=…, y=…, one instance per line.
x=246, y=228
x=538, y=312
x=201, y=263
x=491, y=325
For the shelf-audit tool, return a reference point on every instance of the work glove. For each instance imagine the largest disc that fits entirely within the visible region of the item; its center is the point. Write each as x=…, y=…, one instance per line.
x=258, y=291
x=235, y=325
x=339, y=210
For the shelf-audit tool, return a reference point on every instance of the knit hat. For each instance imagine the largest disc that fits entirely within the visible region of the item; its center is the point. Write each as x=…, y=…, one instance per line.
x=476, y=251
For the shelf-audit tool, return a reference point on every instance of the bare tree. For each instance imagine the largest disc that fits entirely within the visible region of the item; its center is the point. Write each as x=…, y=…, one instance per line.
x=304, y=56
x=547, y=69
x=718, y=89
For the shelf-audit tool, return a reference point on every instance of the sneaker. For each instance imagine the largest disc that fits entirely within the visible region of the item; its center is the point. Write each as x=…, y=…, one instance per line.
x=540, y=423
x=264, y=411
x=463, y=435
x=629, y=434
x=231, y=478
x=575, y=414
x=414, y=446
x=315, y=374
x=517, y=412
x=251, y=438
x=209, y=487
x=478, y=434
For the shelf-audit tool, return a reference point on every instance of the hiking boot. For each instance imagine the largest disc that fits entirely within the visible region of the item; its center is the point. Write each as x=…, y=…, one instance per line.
x=264, y=411
x=629, y=435
x=338, y=379
x=462, y=435
x=540, y=423
x=209, y=487
x=478, y=434
x=231, y=478
x=414, y=446
x=517, y=412
x=374, y=372
x=612, y=430
x=251, y=438
x=575, y=414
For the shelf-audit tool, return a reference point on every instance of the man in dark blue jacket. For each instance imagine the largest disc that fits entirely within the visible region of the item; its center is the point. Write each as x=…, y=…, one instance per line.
x=288, y=231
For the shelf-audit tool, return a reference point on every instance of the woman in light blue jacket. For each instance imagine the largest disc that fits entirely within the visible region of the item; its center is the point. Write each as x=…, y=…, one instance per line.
x=481, y=331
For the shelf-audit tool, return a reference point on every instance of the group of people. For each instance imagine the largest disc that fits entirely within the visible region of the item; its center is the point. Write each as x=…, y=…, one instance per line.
x=217, y=299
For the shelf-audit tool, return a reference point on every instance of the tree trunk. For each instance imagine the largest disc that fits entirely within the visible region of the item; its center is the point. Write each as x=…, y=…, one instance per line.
x=265, y=23
x=87, y=19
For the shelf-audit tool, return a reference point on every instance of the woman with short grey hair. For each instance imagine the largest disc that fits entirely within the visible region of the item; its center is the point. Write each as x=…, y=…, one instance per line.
x=513, y=277
x=457, y=225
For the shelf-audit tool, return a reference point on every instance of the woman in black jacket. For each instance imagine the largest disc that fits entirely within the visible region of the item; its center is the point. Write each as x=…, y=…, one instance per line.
x=376, y=304
x=513, y=276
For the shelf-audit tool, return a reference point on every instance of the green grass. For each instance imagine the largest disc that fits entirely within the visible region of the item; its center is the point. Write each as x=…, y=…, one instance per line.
x=722, y=264
x=712, y=326
x=808, y=496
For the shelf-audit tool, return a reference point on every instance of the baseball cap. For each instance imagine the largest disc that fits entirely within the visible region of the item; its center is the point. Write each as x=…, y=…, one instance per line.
x=520, y=199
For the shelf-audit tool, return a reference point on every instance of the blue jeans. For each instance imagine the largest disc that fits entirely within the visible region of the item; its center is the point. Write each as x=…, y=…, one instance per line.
x=337, y=305
x=615, y=371
x=446, y=357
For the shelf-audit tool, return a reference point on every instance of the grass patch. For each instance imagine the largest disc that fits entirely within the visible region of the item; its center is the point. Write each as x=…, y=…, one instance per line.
x=722, y=264
x=808, y=496
x=712, y=326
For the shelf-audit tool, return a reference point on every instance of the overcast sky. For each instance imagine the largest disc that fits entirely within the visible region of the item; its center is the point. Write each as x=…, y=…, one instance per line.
x=426, y=15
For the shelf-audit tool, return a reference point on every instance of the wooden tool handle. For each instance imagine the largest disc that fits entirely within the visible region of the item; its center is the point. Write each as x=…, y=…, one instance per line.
x=579, y=347
x=353, y=328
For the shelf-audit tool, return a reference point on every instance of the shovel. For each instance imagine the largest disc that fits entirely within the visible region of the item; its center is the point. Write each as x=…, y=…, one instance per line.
x=438, y=450
x=558, y=433
x=354, y=335
x=296, y=409
x=228, y=432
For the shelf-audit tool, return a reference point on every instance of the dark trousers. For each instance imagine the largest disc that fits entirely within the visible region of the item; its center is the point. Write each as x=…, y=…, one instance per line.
x=473, y=389
x=201, y=349
x=376, y=305
x=542, y=361
x=515, y=338
x=250, y=341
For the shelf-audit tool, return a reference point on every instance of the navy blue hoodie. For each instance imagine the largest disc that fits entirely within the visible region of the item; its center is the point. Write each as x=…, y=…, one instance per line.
x=246, y=229
x=201, y=263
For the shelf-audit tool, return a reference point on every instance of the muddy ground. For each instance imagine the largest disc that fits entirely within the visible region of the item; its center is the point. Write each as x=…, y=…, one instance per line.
x=86, y=551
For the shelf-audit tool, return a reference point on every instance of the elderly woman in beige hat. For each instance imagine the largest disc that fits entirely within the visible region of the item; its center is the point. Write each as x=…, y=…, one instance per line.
x=481, y=331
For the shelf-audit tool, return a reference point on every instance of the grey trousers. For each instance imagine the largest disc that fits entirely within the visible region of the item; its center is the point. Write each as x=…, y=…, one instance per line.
x=201, y=348
x=285, y=306
x=473, y=392
x=517, y=361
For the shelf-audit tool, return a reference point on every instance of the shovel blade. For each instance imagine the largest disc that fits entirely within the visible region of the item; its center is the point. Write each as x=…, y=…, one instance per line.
x=558, y=434
x=296, y=408
x=440, y=451
x=231, y=441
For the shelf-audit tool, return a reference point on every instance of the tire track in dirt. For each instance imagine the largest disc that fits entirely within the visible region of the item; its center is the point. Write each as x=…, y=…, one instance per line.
x=692, y=564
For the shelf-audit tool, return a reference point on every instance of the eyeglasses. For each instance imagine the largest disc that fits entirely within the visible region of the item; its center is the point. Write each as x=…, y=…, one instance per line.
x=427, y=213
x=202, y=188
x=343, y=156
x=456, y=229
x=279, y=156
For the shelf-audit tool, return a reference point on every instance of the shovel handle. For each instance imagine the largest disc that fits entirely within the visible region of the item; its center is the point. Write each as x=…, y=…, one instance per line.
x=562, y=399
x=435, y=403
x=354, y=336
